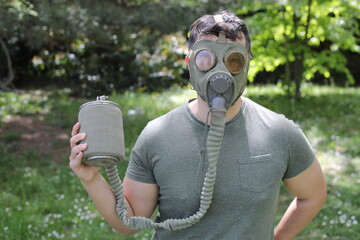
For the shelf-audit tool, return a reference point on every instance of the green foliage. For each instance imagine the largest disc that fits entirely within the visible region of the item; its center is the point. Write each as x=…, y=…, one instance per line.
x=46, y=202
x=163, y=67
x=95, y=47
x=12, y=104
x=63, y=109
x=313, y=34
x=12, y=136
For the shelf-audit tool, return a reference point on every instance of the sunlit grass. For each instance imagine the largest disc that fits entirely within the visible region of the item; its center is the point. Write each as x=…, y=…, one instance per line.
x=41, y=199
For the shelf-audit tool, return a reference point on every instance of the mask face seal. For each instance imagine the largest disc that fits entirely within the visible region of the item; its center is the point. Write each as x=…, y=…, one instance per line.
x=218, y=68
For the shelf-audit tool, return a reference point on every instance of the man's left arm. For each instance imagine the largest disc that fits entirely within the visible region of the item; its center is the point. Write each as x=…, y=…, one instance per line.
x=309, y=189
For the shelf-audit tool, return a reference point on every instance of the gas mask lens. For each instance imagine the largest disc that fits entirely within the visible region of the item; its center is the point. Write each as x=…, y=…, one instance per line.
x=204, y=60
x=234, y=62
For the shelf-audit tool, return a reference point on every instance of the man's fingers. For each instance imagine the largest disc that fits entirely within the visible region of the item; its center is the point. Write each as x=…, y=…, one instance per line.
x=77, y=149
x=74, y=140
x=75, y=129
x=76, y=162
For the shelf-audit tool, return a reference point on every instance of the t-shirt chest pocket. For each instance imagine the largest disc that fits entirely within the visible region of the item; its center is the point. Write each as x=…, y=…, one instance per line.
x=258, y=173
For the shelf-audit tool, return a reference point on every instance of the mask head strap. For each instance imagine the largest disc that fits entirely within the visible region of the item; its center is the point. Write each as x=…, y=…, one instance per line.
x=221, y=39
x=218, y=18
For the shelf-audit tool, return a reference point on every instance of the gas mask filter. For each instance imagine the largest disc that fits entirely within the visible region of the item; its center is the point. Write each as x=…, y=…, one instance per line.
x=219, y=69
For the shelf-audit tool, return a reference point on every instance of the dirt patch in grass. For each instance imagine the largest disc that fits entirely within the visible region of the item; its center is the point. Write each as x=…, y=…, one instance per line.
x=32, y=133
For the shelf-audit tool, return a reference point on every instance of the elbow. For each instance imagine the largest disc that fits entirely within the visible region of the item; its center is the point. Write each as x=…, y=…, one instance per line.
x=323, y=196
x=123, y=230
x=320, y=195
x=320, y=198
x=316, y=200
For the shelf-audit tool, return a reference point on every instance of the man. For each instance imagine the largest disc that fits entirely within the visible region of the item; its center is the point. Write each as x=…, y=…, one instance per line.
x=259, y=150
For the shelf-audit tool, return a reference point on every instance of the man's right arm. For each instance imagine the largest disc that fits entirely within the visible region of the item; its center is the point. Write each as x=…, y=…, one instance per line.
x=141, y=200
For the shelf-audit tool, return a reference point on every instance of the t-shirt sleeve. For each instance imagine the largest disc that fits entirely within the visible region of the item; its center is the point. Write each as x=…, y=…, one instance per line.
x=139, y=168
x=300, y=152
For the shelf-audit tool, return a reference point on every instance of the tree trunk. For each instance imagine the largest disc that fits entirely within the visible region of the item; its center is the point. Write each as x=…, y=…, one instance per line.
x=287, y=78
x=6, y=81
x=298, y=73
x=299, y=59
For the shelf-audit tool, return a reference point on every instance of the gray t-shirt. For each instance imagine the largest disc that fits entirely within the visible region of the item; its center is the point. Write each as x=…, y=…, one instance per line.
x=260, y=148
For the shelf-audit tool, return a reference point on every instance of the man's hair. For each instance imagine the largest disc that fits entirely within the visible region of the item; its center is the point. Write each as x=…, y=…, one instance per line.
x=231, y=25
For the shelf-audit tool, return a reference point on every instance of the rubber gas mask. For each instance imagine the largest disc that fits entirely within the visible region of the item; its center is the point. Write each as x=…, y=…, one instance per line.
x=219, y=69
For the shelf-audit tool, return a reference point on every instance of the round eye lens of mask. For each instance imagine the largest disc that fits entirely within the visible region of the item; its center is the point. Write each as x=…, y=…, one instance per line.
x=235, y=62
x=204, y=60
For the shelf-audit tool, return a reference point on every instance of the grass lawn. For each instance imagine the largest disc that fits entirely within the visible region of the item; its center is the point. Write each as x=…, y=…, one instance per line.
x=40, y=198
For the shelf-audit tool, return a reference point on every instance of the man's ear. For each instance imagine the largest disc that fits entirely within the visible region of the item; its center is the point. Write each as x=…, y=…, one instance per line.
x=187, y=64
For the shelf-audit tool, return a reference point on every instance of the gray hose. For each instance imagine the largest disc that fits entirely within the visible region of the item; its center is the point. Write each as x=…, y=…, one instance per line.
x=213, y=145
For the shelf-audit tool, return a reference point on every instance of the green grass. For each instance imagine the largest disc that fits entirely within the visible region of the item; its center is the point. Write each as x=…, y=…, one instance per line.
x=42, y=199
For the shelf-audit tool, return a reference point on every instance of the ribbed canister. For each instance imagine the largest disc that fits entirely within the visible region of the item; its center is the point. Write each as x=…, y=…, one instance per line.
x=102, y=122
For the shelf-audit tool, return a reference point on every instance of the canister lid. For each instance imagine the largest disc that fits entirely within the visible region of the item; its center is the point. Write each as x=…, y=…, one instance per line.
x=100, y=100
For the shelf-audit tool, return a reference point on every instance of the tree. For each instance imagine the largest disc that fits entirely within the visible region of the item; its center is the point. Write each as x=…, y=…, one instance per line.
x=7, y=80
x=88, y=44
x=10, y=13
x=100, y=46
x=307, y=37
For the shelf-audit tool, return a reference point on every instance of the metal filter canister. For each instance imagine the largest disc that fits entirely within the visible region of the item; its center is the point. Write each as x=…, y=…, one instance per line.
x=102, y=122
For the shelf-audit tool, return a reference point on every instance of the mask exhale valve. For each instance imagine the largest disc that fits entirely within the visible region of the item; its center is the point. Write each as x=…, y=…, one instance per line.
x=220, y=84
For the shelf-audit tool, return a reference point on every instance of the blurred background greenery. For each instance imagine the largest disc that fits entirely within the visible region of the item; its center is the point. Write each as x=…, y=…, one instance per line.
x=57, y=54
x=97, y=47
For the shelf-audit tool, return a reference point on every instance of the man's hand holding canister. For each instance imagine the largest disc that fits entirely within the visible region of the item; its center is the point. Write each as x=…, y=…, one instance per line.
x=84, y=172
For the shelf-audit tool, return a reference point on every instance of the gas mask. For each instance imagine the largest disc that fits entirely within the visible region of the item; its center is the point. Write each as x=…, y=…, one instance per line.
x=219, y=69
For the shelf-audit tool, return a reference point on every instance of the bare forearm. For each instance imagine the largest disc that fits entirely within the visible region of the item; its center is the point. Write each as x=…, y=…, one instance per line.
x=105, y=201
x=297, y=216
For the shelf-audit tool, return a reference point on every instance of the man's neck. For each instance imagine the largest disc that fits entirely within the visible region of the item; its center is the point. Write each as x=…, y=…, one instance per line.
x=200, y=109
